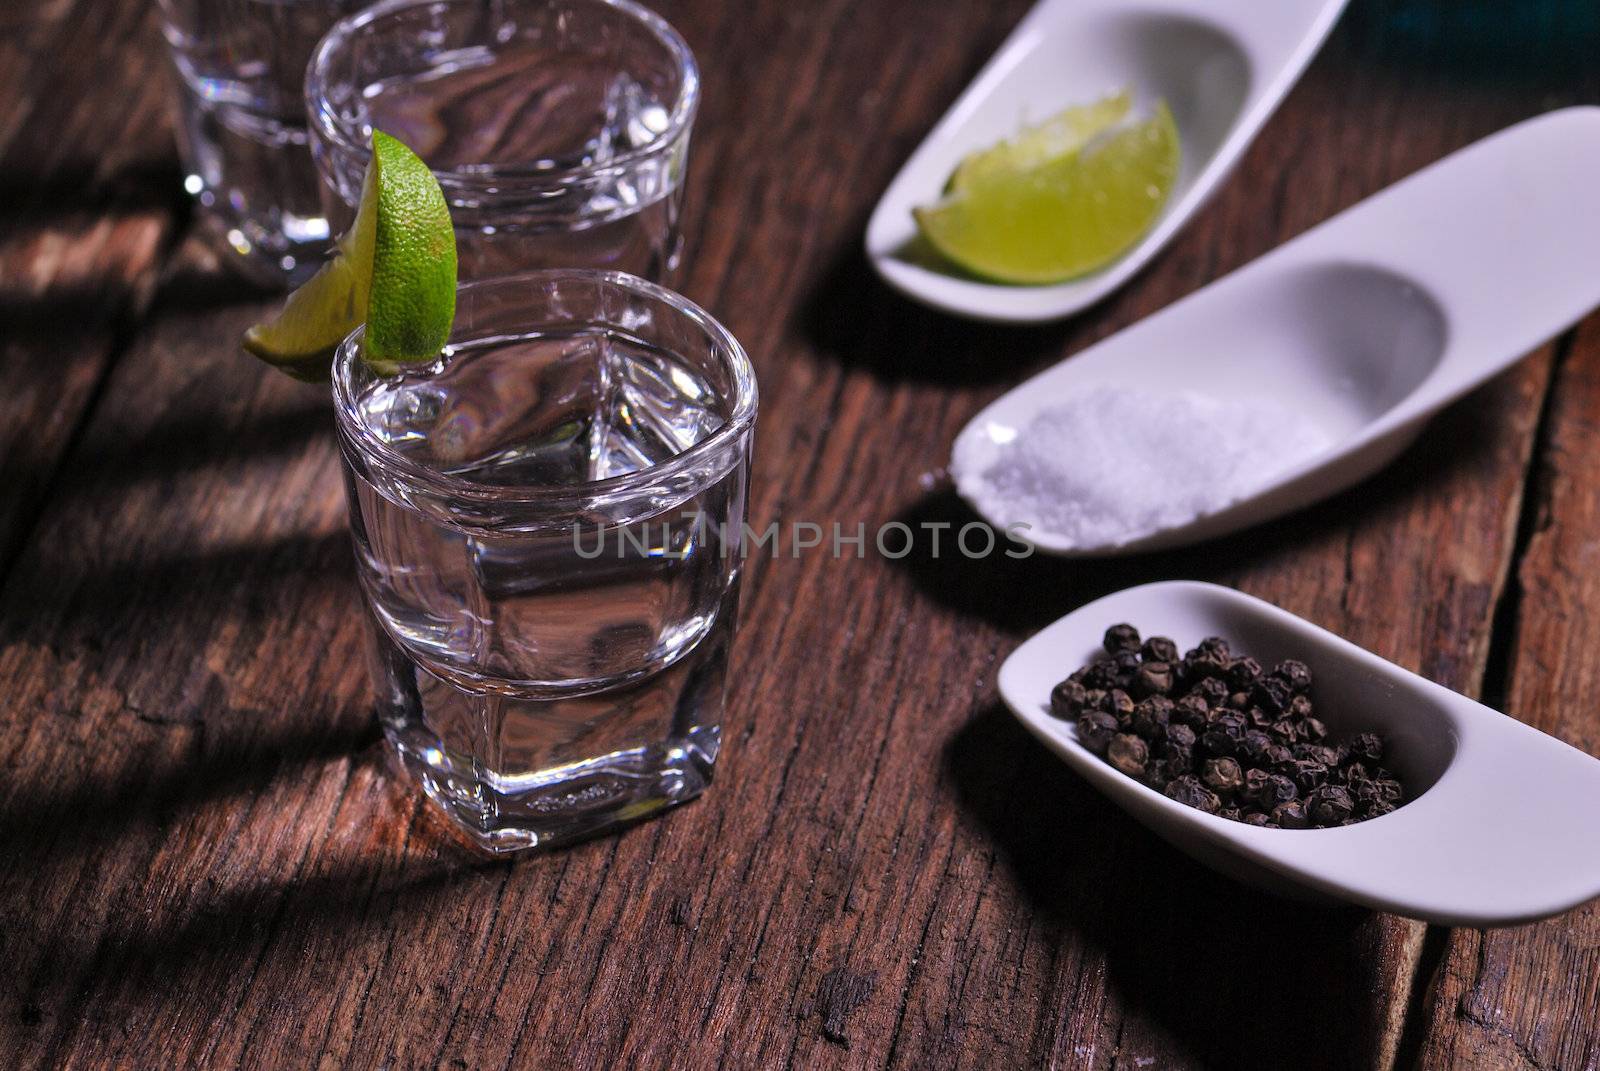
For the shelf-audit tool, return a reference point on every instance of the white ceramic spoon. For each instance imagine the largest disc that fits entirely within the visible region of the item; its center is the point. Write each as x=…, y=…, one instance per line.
x=1222, y=66
x=1364, y=326
x=1500, y=823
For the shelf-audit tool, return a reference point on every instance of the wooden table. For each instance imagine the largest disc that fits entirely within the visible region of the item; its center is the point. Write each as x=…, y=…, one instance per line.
x=203, y=861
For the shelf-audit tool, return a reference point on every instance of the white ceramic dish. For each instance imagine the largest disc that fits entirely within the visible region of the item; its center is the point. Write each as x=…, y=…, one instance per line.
x=1366, y=325
x=1503, y=829
x=1222, y=66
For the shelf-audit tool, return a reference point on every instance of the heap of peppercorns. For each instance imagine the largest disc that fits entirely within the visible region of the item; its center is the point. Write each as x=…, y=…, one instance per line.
x=1219, y=733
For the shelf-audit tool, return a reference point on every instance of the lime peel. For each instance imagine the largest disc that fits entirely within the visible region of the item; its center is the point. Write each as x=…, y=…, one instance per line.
x=394, y=270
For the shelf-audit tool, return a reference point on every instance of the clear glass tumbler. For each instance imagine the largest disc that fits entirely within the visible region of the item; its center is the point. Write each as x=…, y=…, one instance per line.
x=241, y=68
x=559, y=129
x=549, y=525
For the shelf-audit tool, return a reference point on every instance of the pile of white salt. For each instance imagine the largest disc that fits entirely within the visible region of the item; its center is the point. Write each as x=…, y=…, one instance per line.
x=1114, y=463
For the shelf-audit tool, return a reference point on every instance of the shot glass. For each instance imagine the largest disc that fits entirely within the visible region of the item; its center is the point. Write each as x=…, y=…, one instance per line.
x=549, y=524
x=240, y=67
x=558, y=129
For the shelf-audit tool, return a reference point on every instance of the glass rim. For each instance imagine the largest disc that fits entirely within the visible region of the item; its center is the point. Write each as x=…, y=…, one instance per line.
x=346, y=137
x=561, y=498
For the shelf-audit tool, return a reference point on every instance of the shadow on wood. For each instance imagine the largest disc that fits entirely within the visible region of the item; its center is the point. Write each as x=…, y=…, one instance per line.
x=189, y=442
x=36, y=198
x=1239, y=978
x=140, y=960
x=236, y=752
x=245, y=581
x=853, y=316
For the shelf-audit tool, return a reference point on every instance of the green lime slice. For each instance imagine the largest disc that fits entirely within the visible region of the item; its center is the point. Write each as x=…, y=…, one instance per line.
x=1065, y=132
x=1063, y=216
x=394, y=270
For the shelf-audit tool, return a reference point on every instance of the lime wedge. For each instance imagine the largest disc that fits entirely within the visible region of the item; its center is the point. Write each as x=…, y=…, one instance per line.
x=395, y=270
x=1065, y=132
x=1064, y=216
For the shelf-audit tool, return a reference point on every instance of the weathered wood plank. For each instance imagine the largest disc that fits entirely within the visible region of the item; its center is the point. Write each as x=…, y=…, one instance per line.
x=80, y=234
x=1530, y=996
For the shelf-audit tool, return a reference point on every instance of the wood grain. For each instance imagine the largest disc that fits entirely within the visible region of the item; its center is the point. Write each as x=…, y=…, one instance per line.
x=1528, y=997
x=209, y=864
x=86, y=207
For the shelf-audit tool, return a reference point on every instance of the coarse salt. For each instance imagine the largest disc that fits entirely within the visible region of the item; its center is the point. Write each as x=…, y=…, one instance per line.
x=1112, y=464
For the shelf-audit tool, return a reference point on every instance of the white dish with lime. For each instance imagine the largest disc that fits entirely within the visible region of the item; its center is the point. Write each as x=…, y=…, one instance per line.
x=1220, y=66
x=1355, y=334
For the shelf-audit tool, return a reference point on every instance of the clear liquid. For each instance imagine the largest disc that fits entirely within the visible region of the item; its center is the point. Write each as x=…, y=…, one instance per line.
x=544, y=684
x=538, y=109
x=240, y=66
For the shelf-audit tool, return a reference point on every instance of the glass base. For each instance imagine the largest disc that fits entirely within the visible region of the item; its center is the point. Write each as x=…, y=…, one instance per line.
x=566, y=806
x=514, y=771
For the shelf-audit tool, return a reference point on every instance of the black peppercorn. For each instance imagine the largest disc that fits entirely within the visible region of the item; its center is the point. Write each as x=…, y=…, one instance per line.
x=1178, y=735
x=1095, y=730
x=1206, y=667
x=1277, y=757
x=1291, y=815
x=1284, y=731
x=1212, y=690
x=1159, y=649
x=1253, y=746
x=1274, y=789
x=1378, y=808
x=1151, y=716
x=1177, y=747
x=1296, y=674
x=1123, y=637
x=1188, y=791
x=1128, y=753
x=1127, y=663
x=1068, y=698
x=1118, y=704
x=1327, y=756
x=1156, y=774
x=1307, y=775
x=1102, y=674
x=1154, y=678
x=1270, y=694
x=1224, y=777
x=1242, y=673
x=1191, y=711
x=1224, y=734
x=1367, y=746
x=1329, y=806
x=1258, y=718
x=1215, y=732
